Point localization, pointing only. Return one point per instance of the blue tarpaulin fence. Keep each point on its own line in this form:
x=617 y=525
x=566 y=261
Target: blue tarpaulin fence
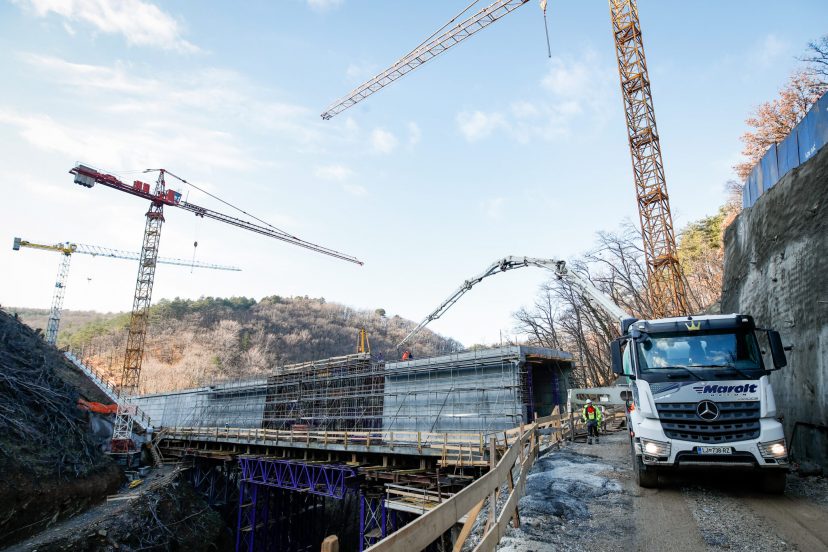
x=801 y=144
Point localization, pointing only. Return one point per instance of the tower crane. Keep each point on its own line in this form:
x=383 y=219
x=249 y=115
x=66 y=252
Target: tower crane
x=666 y=283
x=67 y=249
x=160 y=197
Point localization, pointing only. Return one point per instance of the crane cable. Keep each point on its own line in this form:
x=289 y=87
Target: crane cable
x=546 y=28
x=239 y=209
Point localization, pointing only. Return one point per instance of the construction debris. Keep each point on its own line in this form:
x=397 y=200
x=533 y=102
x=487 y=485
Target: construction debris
x=50 y=466
x=41 y=427
x=166 y=514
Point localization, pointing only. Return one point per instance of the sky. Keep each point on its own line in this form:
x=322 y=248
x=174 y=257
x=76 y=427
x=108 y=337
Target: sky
x=492 y=149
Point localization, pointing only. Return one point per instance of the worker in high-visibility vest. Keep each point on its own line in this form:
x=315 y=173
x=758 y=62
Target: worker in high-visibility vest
x=592 y=416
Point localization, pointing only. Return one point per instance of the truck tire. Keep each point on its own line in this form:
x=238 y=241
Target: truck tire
x=773 y=481
x=646 y=477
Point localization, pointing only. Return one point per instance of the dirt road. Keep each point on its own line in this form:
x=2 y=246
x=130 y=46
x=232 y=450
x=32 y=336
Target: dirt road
x=583 y=498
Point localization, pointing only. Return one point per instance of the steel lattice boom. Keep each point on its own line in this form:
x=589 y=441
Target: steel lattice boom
x=425 y=52
x=69 y=248
x=666 y=281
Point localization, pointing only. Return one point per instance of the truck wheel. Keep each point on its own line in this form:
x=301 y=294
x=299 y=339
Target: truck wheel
x=773 y=481
x=645 y=476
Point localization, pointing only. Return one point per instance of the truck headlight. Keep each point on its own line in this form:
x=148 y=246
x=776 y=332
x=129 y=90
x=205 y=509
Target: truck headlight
x=655 y=448
x=773 y=449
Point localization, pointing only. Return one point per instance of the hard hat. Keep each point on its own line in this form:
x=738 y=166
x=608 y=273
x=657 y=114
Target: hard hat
x=589 y=401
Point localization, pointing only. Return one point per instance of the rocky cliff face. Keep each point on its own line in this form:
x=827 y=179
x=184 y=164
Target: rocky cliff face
x=776 y=269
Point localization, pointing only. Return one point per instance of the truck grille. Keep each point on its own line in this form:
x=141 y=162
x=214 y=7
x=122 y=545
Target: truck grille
x=737 y=421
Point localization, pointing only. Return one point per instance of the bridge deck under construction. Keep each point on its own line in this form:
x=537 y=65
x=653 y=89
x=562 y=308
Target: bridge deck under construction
x=443 y=408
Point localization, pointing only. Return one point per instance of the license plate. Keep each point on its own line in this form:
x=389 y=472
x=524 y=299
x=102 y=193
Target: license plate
x=714 y=450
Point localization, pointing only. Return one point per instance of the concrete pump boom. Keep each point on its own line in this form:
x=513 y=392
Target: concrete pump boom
x=509 y=263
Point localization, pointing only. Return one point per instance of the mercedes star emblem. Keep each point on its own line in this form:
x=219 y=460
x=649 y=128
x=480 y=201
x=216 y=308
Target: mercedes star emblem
x=707 y=411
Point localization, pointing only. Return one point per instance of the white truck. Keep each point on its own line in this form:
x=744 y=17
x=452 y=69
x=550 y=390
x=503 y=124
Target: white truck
x=701 y=397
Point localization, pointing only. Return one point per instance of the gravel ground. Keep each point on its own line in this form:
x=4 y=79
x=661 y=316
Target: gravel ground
x=814 y=489
x=576 y=500
x=722 y=520
x=583 y=499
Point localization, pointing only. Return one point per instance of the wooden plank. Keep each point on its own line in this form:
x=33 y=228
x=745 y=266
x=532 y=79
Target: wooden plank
x=420 y=533
x=467 y=527
x=490 y=539
x=330 y=544
x=493 y=496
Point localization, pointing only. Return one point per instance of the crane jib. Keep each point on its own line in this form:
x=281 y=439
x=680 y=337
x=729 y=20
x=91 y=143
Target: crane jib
x=88 y=177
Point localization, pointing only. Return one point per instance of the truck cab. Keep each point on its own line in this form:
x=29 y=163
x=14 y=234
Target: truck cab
x=701 y=397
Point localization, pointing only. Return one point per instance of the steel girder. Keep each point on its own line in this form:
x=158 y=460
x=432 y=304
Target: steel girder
x=320 y=479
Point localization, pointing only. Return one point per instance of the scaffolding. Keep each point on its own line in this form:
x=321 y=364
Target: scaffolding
x=481 y=391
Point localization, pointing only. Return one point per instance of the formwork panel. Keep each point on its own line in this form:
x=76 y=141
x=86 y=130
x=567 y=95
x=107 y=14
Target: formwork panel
x=480 y=391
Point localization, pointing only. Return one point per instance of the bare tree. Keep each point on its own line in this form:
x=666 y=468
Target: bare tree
x=563 y=319
x=817 y=59
x=774 y=120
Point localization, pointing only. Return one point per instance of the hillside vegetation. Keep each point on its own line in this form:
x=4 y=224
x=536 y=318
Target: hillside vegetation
x=193 y=342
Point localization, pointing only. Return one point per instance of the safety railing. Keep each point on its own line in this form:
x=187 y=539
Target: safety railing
x=100 y=380
x=97 y=377
x=453 y=448
x=524 y=445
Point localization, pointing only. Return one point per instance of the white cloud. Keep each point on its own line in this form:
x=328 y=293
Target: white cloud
x=585 y=83
x=493 y=208
x=206 y=95
x=766 y=52
x=383 y=141
x=141 y=23
x=333 y=172
x=197 y=121
x=572 y=89
x=478 y=125
x=568 y=78
x=358 y=72
x=340 y=173
x=147 y=144
x=324 y=5
x=355 y=189
x=414 y=134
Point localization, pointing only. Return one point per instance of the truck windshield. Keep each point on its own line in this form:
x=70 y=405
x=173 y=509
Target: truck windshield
x=734 y=350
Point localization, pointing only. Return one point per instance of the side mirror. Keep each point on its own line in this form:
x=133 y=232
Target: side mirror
x=615 y=353
x=777 y=350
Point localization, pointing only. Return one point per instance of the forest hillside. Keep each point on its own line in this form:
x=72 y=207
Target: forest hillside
x=194 y=342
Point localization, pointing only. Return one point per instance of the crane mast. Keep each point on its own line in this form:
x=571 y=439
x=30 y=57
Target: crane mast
x=134 y=355
x=666 y=284
x=57 y=300
x=668 y=295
